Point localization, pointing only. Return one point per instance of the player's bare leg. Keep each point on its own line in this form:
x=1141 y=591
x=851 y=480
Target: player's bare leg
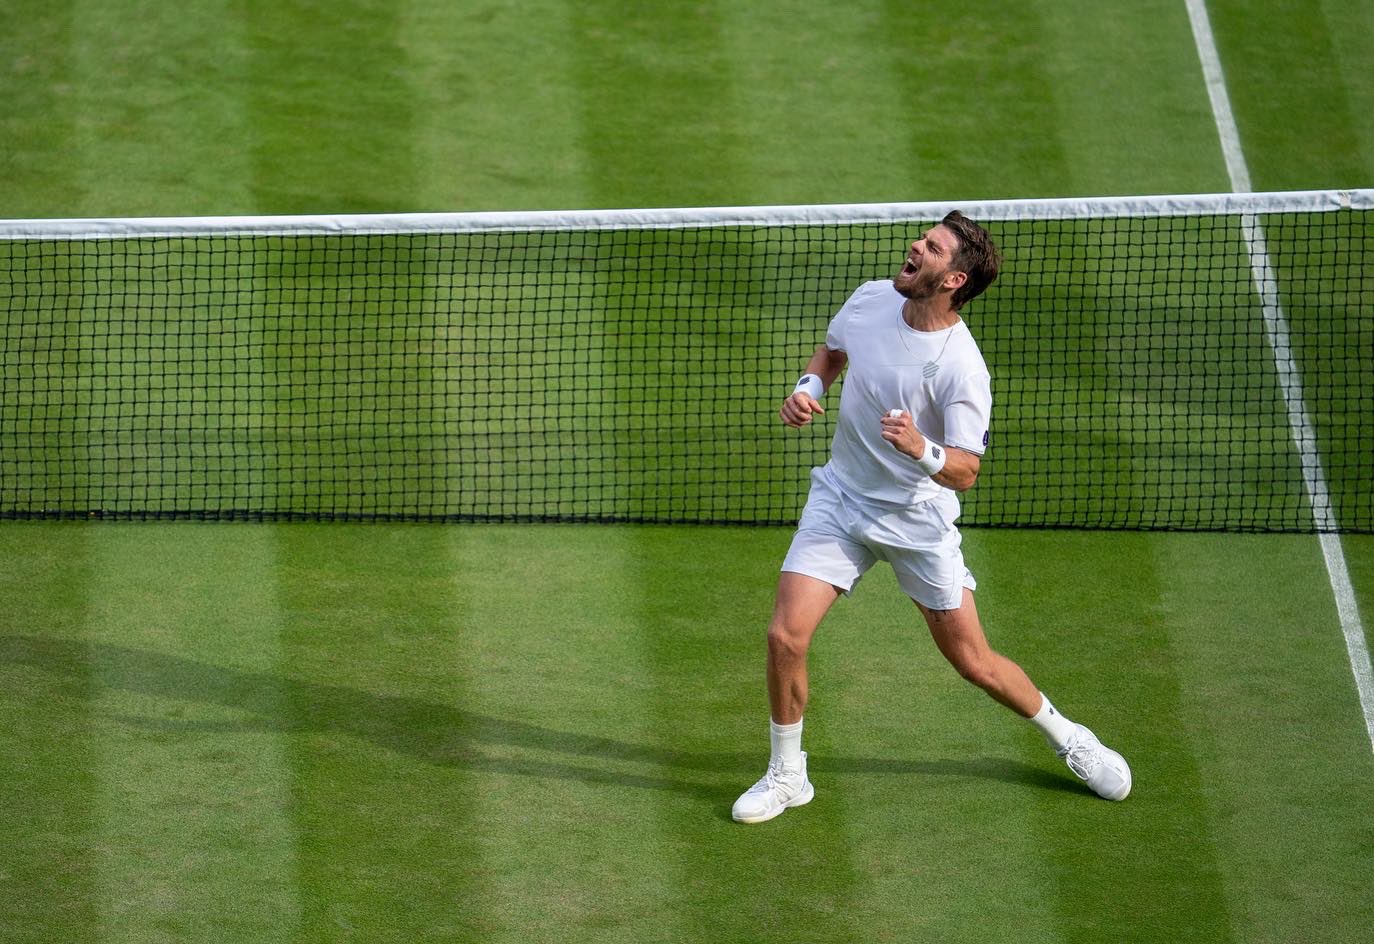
x=801 y=604
x=959 y=636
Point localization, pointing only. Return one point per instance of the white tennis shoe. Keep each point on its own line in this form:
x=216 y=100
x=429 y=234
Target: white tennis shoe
x=1100 y=767
x=781 y=788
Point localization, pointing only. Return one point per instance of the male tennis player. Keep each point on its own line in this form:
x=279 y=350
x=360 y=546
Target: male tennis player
x=912 y=429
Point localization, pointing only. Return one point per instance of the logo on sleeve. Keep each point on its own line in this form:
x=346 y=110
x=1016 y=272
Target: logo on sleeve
x=985 y=439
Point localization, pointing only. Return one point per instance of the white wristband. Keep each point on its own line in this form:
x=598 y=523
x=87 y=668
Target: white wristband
x=934 y=458
x=810 y=385
x=933 y=461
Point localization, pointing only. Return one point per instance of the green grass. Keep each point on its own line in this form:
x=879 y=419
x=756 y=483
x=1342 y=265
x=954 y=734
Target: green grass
x=263 y=108
x=331 y=733
x=321 y=732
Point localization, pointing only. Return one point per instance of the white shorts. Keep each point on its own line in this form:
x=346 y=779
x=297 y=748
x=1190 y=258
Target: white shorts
x=839 y=538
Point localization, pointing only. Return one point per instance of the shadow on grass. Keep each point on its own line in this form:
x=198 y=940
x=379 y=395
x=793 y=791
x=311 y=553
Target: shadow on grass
x=439 y=734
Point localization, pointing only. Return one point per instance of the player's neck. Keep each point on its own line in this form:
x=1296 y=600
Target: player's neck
x=929 y=314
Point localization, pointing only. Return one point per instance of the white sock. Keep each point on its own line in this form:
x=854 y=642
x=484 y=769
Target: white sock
x=785 y=740
x=1057 y=729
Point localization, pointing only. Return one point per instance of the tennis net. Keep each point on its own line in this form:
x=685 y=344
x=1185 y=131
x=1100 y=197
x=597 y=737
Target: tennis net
x=1186 y=362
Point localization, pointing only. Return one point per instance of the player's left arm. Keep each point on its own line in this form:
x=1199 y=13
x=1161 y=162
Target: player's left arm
x=961 y=466
x=961 y=469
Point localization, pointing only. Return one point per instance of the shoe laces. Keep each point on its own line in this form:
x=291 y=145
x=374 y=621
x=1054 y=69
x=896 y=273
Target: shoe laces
x=774 y=777
x=1083 y=754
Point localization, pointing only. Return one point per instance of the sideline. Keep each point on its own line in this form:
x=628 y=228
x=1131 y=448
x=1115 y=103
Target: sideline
x=1290 y=381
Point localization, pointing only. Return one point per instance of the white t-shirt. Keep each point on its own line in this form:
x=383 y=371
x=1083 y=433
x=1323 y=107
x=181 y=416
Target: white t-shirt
x=939 y=377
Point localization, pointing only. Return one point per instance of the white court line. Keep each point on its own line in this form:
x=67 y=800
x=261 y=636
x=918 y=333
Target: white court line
x=1290 y=380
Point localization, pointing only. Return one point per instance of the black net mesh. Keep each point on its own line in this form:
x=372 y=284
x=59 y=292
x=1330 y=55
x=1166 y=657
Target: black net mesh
x=635 y=375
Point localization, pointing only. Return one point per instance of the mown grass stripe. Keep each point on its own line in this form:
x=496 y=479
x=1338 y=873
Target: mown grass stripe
x=373 y=681
x=570 y=774
x=1285 y=774
x=832 y=106
x=702 y=601
x=656 y=99
x=1008 y=53
x=521 y=154
x=925 y=768
x=1306 y=51
x=48 y=868
x=1097 y=639
x=39 y=123
x=156 y=103
x=329 y=106
x=1346 y=26
x=194 y=826
x=1095 y=60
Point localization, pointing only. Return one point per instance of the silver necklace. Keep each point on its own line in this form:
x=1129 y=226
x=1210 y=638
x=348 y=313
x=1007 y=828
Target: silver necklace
x=931 y=368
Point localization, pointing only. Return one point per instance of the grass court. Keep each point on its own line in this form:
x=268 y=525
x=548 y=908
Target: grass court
x=334 y=732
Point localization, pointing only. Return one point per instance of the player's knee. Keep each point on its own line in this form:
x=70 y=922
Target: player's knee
x=785 y=640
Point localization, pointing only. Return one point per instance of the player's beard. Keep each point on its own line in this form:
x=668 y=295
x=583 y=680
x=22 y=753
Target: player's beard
x=921 y=284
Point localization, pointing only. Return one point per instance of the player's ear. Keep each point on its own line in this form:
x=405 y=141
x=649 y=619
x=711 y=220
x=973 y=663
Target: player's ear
x=955 y=280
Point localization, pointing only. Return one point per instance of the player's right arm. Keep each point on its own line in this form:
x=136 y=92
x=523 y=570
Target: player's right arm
x=826 y=364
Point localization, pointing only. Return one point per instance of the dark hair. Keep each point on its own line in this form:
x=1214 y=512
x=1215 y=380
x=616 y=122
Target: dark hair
x=977 y=257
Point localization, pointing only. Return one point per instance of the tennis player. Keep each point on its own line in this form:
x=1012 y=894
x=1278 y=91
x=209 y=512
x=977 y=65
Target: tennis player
x=912 y=428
